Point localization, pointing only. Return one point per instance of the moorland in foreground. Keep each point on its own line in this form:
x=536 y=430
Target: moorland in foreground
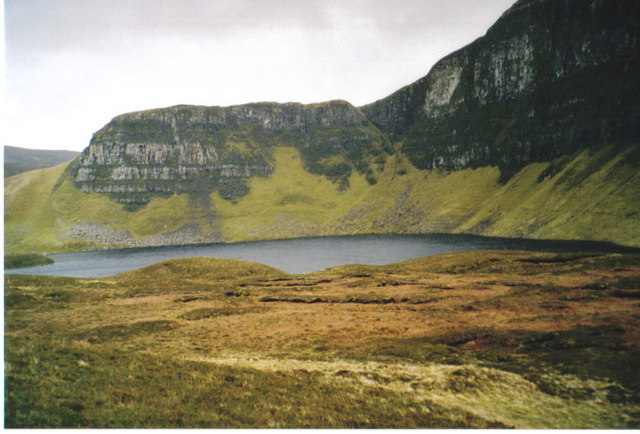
x=474 y=339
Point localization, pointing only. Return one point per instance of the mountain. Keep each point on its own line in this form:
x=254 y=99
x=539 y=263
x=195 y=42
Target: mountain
x=529 y=131
x=191 y=149
x=551 y=77
x=18 y=160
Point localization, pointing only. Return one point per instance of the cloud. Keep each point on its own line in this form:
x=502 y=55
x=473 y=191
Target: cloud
x=74 y=64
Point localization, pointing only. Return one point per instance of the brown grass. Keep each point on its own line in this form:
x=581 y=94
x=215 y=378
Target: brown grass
x=545 y=330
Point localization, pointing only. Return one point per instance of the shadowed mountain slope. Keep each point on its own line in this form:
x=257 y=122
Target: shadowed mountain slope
x=18 y=160
x=549 y=78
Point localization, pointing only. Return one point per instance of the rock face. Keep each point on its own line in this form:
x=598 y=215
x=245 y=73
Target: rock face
x=192 y=149
x=553 y=81
x=550 y=77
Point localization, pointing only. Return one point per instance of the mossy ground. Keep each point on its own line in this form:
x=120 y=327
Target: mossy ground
x=467 y=340
x=26 y=260
x=592 y=195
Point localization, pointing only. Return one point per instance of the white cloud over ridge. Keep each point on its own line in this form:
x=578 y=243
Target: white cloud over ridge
x=74 y=64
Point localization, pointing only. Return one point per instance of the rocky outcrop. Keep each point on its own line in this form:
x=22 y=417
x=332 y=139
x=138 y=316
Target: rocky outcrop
x=132 y=172
x=550 y=77
x=191 y=149
x=552 y=81
x=99 y=235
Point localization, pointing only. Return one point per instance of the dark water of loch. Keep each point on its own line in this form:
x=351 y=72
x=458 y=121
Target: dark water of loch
x=303 y=255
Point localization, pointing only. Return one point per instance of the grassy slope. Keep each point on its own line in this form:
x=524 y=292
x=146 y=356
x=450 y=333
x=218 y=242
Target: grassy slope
x=39 y=205
x=26 y=260
x=473 y=339
x=595 y=196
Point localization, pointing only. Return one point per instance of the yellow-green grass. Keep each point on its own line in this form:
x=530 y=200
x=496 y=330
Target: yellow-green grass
x=40 y=205
x=508 y=339
x=594 y=196
x=578 y=203
x=290 y=202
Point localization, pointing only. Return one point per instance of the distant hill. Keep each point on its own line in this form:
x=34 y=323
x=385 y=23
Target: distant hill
x=18 y=160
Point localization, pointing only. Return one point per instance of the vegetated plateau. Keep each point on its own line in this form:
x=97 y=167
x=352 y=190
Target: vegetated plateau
x=467 y=340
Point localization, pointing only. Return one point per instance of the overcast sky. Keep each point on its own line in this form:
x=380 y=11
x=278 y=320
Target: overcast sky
x=72 y=65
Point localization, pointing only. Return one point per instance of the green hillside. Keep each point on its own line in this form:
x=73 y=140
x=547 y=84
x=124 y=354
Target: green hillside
x=529 y=131
x=590 y=195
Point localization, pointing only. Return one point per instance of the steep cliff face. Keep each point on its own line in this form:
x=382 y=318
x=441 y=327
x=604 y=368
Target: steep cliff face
x=537 y=125
x=550 y=77
x=196 y=149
